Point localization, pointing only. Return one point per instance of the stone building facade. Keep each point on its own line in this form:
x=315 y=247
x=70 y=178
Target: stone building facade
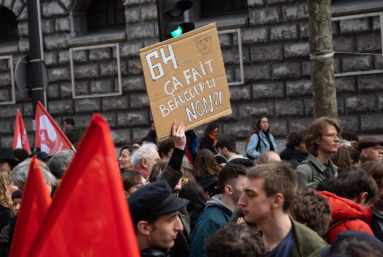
x=275 y=45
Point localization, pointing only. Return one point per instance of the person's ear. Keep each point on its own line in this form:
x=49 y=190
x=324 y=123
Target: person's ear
x=296 y=147
x=364 y=152
x=277 y=201
x=144 y=163
x=143 y=227
x=362 y=198
x=228 y=190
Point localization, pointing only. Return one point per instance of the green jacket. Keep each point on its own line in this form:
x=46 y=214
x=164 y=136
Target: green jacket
x=307 y=243
x=181 y=244
x=74 y=134
x=312 y=170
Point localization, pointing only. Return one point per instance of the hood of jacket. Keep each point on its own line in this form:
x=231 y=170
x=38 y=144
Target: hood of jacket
x=216 y=201
x=290 y=154
x=343 y=208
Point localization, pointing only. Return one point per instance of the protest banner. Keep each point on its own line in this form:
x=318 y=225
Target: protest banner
x=186 y=80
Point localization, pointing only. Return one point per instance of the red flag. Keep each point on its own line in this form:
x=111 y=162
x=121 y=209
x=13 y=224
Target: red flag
x=89 y=215
x=35 y=203
x=49 y=137
x=20 y=139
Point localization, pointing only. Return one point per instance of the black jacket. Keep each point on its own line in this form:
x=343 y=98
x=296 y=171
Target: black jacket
x=155 y=252
x=151 y=137
x=207 y=143
x=293 y=156
x=5 y=216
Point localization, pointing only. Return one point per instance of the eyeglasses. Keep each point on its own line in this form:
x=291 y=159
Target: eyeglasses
x=333 y=136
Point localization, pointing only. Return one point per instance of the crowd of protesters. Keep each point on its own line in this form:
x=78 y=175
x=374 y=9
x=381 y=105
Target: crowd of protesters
x=320 y=196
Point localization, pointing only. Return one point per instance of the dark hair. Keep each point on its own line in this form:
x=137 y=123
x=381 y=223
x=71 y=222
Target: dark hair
x=21 y=154
x=315 y=132
x=355 y=248
x=326 y=185
x=196 y=196
x=130 y=148
x=131 y=178
x=280 y=179
x=205 y=165
x=157 y=169
x=236 y=240
x=312 y=209
x=165 y=146
x=375 y=169
x=354 y=153
x=227 y=142
x=257 y=128
x=350 y=135
x=295 y=137
x=354 y=181
x=229 y=175
x=209 y=129
x=341 y=159
x=69 y=121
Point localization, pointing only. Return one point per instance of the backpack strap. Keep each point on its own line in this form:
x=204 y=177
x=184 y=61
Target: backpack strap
x=258 y=147
x=335 y=224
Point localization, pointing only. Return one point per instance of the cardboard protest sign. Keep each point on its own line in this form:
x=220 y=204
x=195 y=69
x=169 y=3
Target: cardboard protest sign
x=186 y=80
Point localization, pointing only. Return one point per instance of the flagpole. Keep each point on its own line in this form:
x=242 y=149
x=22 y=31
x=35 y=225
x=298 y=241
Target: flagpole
x=74 y=149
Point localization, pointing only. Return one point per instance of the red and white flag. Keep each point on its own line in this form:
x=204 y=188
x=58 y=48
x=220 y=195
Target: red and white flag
x=48 y=136
x=20 y=139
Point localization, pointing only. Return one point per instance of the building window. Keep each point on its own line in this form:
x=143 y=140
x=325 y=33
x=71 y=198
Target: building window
x=104 y=14
x=8 y=25
x=209 y=7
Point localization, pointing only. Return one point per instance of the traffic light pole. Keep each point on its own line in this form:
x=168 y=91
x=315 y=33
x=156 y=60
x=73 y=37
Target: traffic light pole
x=35 y=54
x=160 y=18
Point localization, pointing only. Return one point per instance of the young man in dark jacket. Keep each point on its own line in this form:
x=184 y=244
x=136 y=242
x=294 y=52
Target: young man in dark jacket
x=219 y=210
x=295 y=151
x=269 y=191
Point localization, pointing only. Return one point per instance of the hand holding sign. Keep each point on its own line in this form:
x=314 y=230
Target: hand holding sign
x=186 y=80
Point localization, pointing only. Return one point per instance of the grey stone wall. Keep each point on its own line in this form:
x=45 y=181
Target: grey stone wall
x=276 y=69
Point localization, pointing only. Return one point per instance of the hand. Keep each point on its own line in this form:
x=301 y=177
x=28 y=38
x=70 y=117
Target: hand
x=179 y=136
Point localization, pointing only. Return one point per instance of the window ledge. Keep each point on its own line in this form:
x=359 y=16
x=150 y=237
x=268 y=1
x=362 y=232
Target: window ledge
x=97 y=38
x=225 y=21
x=356 y=7
x=10 y=47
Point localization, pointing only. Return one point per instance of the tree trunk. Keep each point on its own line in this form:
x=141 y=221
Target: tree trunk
x=322 y=64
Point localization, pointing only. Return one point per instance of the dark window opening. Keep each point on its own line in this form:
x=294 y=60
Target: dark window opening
x=103 y=14
x=209 y=7
x=8 y=25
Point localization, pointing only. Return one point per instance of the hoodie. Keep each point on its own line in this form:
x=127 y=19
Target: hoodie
x=343 y=209
x=209 y=185
x=292 y=156
x=215 y=215
x=377 y=223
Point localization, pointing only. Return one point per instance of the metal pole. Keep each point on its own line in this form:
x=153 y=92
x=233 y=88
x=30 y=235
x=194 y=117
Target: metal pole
x=35 y=54
x=160 y=17
x=322 y=59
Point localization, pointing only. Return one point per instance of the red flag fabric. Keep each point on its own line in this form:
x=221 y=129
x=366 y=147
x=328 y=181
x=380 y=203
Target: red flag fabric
x=35 y=203
x=48 y=136
x=89 y=215
x=20 y=139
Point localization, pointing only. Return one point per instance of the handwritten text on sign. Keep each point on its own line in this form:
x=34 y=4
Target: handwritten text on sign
x=185 y=78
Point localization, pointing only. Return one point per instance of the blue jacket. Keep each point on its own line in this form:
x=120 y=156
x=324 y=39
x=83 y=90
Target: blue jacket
x=215 y=215
x=264 y=145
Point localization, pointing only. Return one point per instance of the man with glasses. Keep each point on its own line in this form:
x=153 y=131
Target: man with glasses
x=321 y=140
x=370 y=148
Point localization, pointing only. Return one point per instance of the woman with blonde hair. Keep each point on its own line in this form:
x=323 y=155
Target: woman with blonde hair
x=260 y=139
x=5 y=200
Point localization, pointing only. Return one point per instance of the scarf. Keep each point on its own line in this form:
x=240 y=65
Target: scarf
x=214 y=138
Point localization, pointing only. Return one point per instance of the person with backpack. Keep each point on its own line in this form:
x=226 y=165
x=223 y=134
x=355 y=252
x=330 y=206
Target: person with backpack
x=260 y=139
x=321 y=140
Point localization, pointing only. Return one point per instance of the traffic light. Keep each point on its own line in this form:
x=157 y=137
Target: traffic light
x=171 y=21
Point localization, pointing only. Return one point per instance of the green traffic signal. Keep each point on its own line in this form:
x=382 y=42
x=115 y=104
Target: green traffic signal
x=177 y=32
